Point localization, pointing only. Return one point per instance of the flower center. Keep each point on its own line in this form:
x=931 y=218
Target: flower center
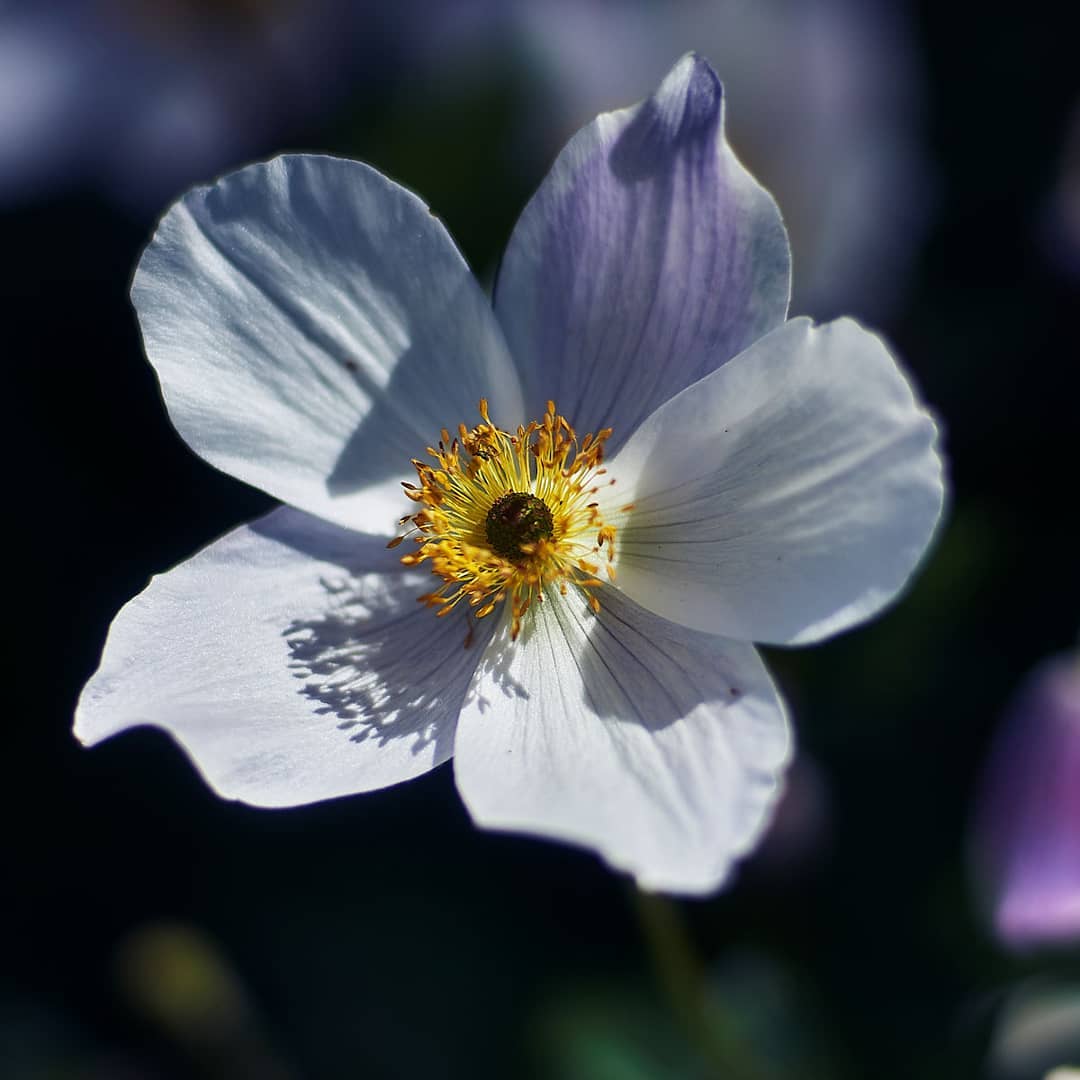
x=515 y=519
x=504 y=515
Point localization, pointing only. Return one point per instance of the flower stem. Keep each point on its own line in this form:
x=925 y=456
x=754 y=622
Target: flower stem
x=680 y=972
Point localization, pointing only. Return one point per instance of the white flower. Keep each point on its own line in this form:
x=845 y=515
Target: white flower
x=315 y=330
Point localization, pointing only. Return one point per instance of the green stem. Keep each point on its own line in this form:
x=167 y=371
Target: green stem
x=681 y=975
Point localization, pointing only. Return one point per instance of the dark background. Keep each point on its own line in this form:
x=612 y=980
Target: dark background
x=383 y=935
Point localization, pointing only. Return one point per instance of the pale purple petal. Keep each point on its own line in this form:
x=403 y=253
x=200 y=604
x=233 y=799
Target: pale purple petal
x=291 y=660
x=1027 y=843
x=647 y=258
x=824 y=110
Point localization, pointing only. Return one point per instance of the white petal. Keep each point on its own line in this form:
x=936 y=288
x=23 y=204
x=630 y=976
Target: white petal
x=291 y=661
x=785 y=497
x=314 y=328
x=655 y=745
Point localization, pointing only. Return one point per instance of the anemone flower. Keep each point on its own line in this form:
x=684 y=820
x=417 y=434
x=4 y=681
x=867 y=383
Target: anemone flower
x=622 y=474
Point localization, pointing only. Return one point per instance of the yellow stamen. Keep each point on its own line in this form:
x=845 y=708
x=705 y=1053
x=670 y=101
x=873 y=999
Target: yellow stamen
x=487 y=547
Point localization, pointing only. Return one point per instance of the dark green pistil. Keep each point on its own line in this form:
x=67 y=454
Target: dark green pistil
x=515 y=519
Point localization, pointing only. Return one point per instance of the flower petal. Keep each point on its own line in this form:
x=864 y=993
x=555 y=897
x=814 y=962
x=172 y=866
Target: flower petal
x=658 y=746
x=785 y=497
x=314 y=328
x=648 y=257
x=291 y=661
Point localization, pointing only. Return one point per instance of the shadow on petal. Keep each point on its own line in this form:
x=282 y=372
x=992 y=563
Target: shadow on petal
x=660 y=126
x=383 y=666
x=495 y=667
x=636 y=660
x=454 y=356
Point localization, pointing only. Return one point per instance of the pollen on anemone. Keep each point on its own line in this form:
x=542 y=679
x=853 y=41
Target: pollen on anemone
x=601 y=490
x=508 y=514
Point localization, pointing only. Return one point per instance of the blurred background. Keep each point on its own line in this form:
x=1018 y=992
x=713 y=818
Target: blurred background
x=927 y=159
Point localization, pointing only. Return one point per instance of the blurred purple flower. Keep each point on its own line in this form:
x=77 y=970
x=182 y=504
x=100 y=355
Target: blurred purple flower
x=1027 y=839
x=141 y=100
x=800 y=827
x=826 y=100
x=1061 y=221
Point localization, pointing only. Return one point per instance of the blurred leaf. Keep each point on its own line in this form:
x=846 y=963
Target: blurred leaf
x=611 y=1033
x=451 y=140
x=178 y=980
